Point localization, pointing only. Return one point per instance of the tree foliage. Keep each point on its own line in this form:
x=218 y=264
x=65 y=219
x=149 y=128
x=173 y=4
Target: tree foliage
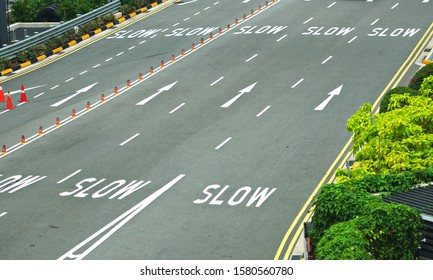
x=398 y=90
x=418 y=78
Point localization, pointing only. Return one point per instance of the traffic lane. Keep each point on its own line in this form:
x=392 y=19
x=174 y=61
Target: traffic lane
x=87 y=76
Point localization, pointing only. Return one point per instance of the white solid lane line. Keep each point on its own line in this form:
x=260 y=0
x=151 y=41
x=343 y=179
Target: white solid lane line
x=214 y=83
x=223 y=143
x=69 y=176
x=177 y=108
x=297 y=83
x=2 y=214
x=326 y=60
x=263 y=111
x=117 y=223
x=129 y=139
x=251 y=58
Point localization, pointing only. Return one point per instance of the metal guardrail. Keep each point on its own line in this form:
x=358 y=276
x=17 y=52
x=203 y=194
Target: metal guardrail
x=11 y=50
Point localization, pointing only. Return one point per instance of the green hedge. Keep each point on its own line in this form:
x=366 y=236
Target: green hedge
x=418 y=78
x=353 y=199
x=398 y=90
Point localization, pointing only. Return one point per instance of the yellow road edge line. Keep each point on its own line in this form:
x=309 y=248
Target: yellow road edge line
x=309 y=214
x=405 y=64
x=85 y=44
x=289 y=231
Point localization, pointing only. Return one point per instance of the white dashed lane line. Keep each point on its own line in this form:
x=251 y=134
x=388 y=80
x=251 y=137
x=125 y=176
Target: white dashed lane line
x=196 y=14
x=40 y=94
x=326 y=60
x=297 y=83
x=120 y=53
x=263 y=111
x=3 y=214
x=129 y=139
x=108 y=59
x=374 y=22
x=177 y=108
x=96 y=66
x=84 y=72
x=284 y=36
x=131 y=48
x=395 y=6
x=68 y=80
x=332 y=5
x=176 y=24
x=54 y=87
x=69 y=176
x=353 y=39
x=214 y=83
x=223 y=143
x=251 y=58
x=308 y=20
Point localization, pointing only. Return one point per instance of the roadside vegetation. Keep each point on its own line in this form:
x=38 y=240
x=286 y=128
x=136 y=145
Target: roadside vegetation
x=394 y=153
x=28 y=11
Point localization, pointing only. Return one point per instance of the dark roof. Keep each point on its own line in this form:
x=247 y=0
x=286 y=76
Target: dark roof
x=420 y=198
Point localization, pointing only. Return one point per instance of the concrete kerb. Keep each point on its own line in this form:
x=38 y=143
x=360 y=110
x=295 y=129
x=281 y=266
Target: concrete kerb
x=427 y=55
x=87 y=38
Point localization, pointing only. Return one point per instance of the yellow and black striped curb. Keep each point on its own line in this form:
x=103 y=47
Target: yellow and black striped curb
x=82 y=38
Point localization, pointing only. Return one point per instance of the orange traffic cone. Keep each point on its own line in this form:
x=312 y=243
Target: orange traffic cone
x=236 y=21
x=192 y=46
x=128 y=83
x=260 y=8
x=23 y=95
x=23 y=139
x=4 y=151
x=140 y=76
x=88 y=107
x=220 y=31
x=228 y=26
x=245 y=16
x=116 y=90
x=9 y=104
x=74 y=114
x=102 y=97
x=162 y=64
x=173 y=58
x=41 y=131
x=267 y=4
x=252 y=12
x=2 y=94
x=151 y=71
x=183 y=52
x=210 y=36
x=58 y=122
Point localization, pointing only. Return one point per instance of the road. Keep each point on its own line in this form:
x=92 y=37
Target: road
x=213 y=155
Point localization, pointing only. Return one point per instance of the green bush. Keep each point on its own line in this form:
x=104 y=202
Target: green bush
x=5 y=63
x=398 y=90
x=418 y=78
x=386 y=232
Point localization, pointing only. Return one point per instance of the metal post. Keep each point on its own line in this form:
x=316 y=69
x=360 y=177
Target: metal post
x=4 y=38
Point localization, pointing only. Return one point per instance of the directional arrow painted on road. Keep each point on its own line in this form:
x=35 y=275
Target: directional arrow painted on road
x=166 y=88
x=331 y=95
x=241 y=92
x=86 y=89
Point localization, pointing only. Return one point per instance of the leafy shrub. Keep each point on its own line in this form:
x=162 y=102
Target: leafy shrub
x=418 y=78
x=398 y=90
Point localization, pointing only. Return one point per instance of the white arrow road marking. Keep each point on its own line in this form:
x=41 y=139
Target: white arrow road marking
x=166 y=88
x=86 y=89
x=241 y=92
x=186 y=3
x=30 y=88
x=117 y=223
x=331 y=95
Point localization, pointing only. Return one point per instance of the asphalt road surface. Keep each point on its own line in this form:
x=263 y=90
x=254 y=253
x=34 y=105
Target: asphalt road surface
x=214 y=155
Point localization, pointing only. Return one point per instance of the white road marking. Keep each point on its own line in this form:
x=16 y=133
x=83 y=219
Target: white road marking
x=131 y=48
x=332 y=5
x=297 y=83
x=108 y=59
x=96 y=66
x=395 y=6
x=117 y=223
x=353 y=39
x=129 y=139
x=326 y=60
x=21 y=103
x=73 y=95
x=166 y=88
x=142 y=42
x=374 y=22
x=216 y=3
x=40 y=94
x=214 y=83
x=68 y=80
x=27 y=89
x=196 y=14
x=177 y=108
x=251 y=58
x=69 y=176
x=54 y=87
x=333 y=93
x=223 y=143
x=188 y=18
x=84 y=72
x=5 y=111
x=284 y=36
x=241 y=92
x=245 y=1
x=186 y=3
x=425 y=1
x=263 y=111
x=2 y=214
x=308 y=20
x=153 y=36
x=120 y=53
x=165 y=30
x=176 y=24
x=207 y=8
